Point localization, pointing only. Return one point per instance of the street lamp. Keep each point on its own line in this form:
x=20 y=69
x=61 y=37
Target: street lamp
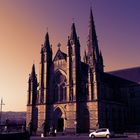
x=1 y=104
x=75 y=122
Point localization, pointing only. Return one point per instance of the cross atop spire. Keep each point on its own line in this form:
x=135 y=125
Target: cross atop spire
x=47 y=29
x=59 y=45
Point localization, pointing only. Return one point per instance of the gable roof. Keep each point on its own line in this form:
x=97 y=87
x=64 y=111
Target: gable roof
x=60 y=55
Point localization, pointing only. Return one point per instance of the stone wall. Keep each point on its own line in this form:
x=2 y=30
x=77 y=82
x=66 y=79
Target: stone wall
x=41 y=117
x=28 y=115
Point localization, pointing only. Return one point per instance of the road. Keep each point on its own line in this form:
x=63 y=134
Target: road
x=81 y=138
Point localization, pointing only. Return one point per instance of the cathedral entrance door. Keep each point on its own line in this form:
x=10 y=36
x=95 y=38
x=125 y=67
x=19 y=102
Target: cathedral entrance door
x=58 y=120
x=60 y=124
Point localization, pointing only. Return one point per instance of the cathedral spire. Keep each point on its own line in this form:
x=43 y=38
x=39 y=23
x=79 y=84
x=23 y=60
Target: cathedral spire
x=32 y=88
x=47 y=42
x=101 y=63
x=68 y=42
x=101 y=57
x=92 y=38
x=73 y=35
x=46 y=61
x=46 y=50
x=33 y=74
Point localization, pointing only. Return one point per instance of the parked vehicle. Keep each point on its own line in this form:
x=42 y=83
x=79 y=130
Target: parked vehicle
x=102 y=132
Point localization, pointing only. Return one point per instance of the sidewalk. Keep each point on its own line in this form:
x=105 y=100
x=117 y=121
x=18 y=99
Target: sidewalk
x=71 y=137
x=133 y=135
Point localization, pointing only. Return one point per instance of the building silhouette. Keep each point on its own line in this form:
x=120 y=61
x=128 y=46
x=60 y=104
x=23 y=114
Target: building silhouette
x=72 y=95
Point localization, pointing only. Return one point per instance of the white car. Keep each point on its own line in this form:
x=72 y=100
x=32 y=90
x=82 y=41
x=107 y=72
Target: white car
x=103 y=132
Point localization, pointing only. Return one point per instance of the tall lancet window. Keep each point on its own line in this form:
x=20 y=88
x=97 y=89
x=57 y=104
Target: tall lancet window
x=59 y=87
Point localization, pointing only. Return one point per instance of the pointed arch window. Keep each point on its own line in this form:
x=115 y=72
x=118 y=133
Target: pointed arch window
x=60 y=87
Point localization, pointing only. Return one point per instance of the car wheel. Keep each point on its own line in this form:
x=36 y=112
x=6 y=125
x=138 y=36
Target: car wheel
x=92 y=136
x=107 y=136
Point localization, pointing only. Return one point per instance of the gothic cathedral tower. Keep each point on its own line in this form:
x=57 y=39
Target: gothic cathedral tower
x=73 y=65
x=32 y=113
x=95 y=67
x=46 y=61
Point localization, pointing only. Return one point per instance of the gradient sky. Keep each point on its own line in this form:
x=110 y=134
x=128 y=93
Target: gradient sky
x=23 y=24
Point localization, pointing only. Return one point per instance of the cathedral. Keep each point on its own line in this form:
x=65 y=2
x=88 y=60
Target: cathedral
x=74 y=95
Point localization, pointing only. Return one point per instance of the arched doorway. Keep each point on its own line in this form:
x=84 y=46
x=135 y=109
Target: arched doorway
x=58 y=120
x=60 y=124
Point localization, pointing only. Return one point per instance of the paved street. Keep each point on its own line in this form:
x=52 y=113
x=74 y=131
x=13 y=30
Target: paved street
x=80 y=138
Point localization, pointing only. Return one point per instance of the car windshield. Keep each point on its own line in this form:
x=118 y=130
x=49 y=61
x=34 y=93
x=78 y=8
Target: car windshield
x=101 y=130
x=104 y=129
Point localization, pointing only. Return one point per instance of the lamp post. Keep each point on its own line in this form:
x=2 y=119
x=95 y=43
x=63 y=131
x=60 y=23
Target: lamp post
x=75 y=122
x=1 y=104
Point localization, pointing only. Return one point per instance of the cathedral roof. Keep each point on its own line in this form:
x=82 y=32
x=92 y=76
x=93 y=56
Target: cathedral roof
x=132 y=74
x=60 y=55
x=114 y=80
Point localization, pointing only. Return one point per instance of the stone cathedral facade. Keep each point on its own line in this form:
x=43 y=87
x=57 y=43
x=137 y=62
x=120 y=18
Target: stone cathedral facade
x=72 y=95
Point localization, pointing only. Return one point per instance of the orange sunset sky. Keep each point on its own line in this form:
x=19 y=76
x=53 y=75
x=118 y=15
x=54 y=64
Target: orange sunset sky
x=23 y=24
